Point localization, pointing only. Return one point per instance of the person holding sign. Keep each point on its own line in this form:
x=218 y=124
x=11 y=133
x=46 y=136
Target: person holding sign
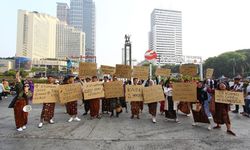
x=170 y=108
x=86 y=102
x=48 y=109
x=105 y=102
x=94 y=104
x=152 y=107
x=114 y=104
x=236 y=88
x=221 y=115
x=71 y=107
x=135 y=105
x=19 y=102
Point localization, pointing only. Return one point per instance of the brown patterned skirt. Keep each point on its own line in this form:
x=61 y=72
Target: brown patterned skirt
x=221 y=113
x=21 y=117
x=200 y=116
x=71 y=108
x=48 y=111
x=152 y=107
x=94 y=107
x=135 y=108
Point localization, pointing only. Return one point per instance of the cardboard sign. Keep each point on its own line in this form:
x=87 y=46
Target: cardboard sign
x=134 y=93
x=229 y=97
x=185 y=92
x=45 y=93
x=209 y=73
x=123 y=71
x=70 y=92
x=87 y=69
x=107 y=69
x=93 y=90
x=113 y=89
x=153 y=94
x=188 y=69
x=140 y=72
x=163 y=72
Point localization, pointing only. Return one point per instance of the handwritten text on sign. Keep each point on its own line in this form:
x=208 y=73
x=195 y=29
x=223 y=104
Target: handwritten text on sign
x=45 y=93
x=163 y=72
x=113 y=89
x=153 y=94
x=134 y=93
x=70 y=92
x=123 y=71
x=107 y=69
x=87 y=69
x=140 y=72
x=229 y=97
x=185 y=92
x=93 y=90
x=188 y=69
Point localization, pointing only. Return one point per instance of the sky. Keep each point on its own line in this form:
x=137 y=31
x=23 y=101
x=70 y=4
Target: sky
x=210 y=27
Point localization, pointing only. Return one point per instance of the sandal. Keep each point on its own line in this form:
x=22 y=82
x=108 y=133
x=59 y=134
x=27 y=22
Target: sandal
x=231 y=132
x=216 y=127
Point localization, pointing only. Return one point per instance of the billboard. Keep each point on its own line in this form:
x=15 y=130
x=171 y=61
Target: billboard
x=23 y=62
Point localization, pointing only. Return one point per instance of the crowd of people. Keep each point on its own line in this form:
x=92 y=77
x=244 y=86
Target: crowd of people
x=205 y=110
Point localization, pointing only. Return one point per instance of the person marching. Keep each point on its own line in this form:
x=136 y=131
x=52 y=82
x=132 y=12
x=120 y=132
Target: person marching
x=115 y=104
x=86 y=102
x=135 y=106
x=94 y=104
x=221 y=115
x=170 y=109
x=71 y=107
x=152 y=107
x=105 y=102
x=48 y=109
x=18 y=103
x=236 y=88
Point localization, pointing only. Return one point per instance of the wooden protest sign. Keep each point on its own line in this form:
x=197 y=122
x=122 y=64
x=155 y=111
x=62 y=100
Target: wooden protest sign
x=153 y=94
x=229 y=97
x=70 y=92
x=134 y=93
x=140 y=72
x=93 y=90
x=185 y=92
x=209 y=73
x=163 y=72
x=123 y=71
x=188 y=69
x=113 y=89
x=45 y=93
x=107 y=69
x=87 y=69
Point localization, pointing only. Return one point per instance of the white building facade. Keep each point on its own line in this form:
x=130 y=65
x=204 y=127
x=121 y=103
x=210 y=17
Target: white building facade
x=165 y=36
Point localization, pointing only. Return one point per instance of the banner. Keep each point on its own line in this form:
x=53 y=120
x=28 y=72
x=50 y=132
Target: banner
x=185 y=92
x=229 y=97
x=70 y=92
x=107 y=69
x=123 y=71
x=153 y=94
x=93 y=90
x=188 y=69
x=113 y=89
x=134 y=93
x=45 y=93
x=163 y=72
x=87 y=69
x=140 y=72
x=209 y=73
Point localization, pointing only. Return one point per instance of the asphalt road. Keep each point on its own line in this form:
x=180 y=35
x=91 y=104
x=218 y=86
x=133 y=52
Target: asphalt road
x=118 y=133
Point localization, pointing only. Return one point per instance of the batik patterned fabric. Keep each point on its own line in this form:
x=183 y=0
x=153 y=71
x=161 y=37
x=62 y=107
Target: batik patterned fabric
x=21 y=117
x=221 y=113
x=94 y=107
x=135 y=108
x=152 y=107
x=48 y=111
x=71 y=108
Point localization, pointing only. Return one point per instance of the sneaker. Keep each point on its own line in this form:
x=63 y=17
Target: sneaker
x=188 y=115
x=209 y=127
x=51 y=121
x=5 y=97
x=70 y=119
x=194 y=124
x=19 y=129
x=24 y=127
x=84 y=114
x=154 y=120
x=177 y=121
x=77 y=119
x=40 y=125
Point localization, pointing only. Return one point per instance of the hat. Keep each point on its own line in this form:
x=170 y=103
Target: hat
x=238 y=77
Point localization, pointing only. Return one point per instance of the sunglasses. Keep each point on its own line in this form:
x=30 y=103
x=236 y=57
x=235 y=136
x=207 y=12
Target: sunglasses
x=26 y=86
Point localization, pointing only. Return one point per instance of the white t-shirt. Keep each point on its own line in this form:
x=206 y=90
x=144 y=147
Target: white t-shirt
x=1 y=88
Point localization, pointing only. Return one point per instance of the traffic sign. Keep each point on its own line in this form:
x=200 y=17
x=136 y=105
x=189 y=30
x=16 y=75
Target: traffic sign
x=150 y=55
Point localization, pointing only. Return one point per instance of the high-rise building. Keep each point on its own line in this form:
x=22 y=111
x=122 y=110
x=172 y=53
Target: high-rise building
x=63 y=12
x=36 y=35
x=70 y=42
x=165 y=36
x=82 y=17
